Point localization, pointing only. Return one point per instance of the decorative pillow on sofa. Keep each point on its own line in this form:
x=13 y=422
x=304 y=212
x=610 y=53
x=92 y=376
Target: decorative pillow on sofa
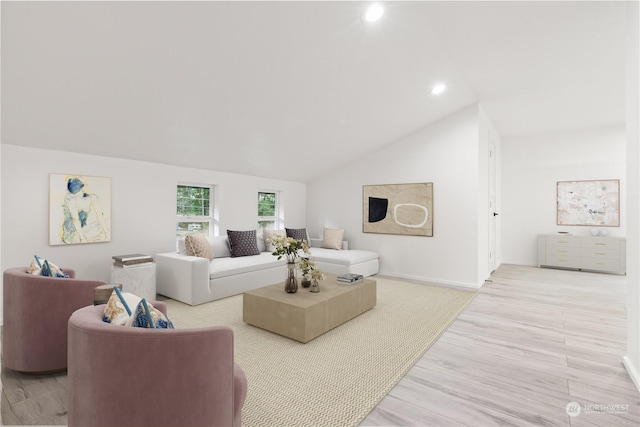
x=297 y=233
x=41 y=267
x=198 y=245
x=117 y=310
x=243 y=243
x=268 y=235
x=332 y=238
x=220 y=246
x=147 y=316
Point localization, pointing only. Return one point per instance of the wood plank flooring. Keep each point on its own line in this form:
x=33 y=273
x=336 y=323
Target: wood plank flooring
x=532 y=341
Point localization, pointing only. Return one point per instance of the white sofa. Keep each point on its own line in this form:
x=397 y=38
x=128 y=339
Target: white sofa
x=194 y=280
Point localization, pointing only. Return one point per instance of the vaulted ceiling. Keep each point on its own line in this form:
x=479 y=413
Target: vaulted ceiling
x=289 y=89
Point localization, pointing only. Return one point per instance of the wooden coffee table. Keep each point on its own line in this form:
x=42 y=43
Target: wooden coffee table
x=303 y=315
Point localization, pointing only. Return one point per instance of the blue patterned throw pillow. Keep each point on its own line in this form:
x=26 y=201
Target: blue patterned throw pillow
x=147 y=316
x=118 y=308
x=42 y=267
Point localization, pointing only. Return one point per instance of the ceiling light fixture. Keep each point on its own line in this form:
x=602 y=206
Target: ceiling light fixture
x=438 y=89
x=373 y=13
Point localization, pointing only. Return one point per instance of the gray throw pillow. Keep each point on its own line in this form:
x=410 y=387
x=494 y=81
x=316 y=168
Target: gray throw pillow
x=243 y=243
x=297 y=233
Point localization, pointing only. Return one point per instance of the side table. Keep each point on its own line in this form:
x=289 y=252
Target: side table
x=138 y=280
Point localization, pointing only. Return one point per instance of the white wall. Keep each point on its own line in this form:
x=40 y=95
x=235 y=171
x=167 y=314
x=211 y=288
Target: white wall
x=632 y=358
x=447 y=154
x=143 y=206
x=532 y=165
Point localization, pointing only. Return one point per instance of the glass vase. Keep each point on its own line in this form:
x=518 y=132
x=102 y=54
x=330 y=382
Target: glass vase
x=305 y=283
x=315 y=286
x=290 y=281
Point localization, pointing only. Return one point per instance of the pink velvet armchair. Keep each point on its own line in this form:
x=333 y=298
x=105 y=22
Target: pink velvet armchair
x=125 y=376
x=36 y=310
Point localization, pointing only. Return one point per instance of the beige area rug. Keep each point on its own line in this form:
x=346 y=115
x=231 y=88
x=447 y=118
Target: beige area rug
x=336 y=379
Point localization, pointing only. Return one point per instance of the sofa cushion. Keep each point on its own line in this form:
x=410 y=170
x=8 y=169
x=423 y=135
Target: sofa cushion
x=297 y=233
x=268 y=235
x=198 y=245
x=349 y=257
x=223 y=267
x=243 y=243
x=332 y=238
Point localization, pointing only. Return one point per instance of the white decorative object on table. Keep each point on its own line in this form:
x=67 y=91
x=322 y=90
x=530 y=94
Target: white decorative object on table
x=140 y=280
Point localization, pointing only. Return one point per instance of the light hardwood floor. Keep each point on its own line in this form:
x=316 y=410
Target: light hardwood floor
x=532 y=341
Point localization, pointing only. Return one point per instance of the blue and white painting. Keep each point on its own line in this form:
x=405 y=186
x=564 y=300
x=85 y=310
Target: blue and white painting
x=79 y=209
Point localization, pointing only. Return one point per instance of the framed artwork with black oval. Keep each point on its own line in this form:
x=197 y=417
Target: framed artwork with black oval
x=398 y=209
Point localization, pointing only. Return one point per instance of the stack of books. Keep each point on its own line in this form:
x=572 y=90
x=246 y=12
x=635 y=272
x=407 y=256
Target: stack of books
x=350 y=279
x=131 y=260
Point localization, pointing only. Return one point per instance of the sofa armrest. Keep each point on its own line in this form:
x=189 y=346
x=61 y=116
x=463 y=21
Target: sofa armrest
x=182 y=277
x=316 y=243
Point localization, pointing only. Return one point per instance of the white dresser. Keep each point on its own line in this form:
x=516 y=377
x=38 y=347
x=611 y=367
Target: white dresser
x=605 y=254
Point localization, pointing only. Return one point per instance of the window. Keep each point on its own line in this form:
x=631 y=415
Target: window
x=194 y=210
x=267 y=210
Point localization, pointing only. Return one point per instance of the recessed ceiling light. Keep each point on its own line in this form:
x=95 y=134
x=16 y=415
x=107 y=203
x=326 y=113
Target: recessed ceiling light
x=438 y=89
x=373 y=13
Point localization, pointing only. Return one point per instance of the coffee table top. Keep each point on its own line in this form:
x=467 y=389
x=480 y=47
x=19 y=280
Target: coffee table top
x=329 y=289
x=305 y=315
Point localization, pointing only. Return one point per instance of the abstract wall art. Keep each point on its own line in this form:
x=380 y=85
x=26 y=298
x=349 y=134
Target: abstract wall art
x=595 y=203
x=79 y=209
x=405 y=209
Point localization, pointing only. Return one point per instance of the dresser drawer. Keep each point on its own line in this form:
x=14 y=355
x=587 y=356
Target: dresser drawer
x=563 y=250
x=601 y=264
x=563 y=241
x=563 y=261
x=601 y=243
x=598 y=253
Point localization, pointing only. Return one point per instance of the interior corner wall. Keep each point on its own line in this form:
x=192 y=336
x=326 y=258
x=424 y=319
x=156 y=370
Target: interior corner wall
x=143 y=206
x=446 y=154
x=531 y=167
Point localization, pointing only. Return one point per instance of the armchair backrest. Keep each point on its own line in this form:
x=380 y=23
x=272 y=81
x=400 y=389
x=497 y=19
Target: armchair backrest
x=128 y=376
x=35 y=314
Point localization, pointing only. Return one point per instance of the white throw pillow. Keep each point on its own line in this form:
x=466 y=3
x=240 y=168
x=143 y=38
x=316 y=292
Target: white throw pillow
x=220 y=246
x=332 y=238
x=268 y=234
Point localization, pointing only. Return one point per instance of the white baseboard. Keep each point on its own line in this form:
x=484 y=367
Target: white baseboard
x=632 y=370
x=429 y=281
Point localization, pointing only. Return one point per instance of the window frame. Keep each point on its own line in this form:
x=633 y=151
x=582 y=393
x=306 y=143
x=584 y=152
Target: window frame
x=276 y=219
x=210 y=219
